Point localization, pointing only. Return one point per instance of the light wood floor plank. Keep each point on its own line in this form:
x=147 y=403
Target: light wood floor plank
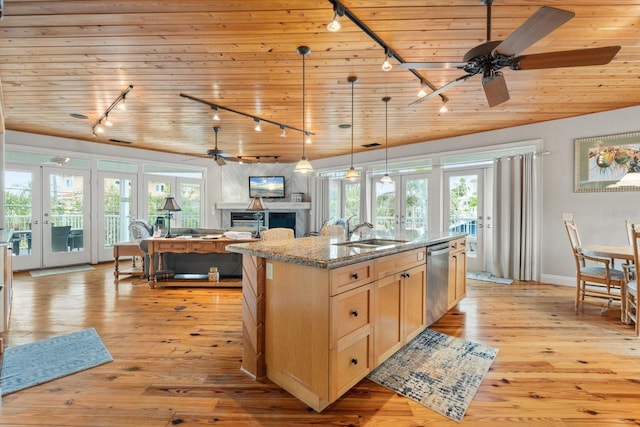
x=177 y=356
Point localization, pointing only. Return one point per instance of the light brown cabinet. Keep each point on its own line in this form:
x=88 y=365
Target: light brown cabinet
x=325 y=330
x=6 y=288
x=457 y=271
x=399 y=301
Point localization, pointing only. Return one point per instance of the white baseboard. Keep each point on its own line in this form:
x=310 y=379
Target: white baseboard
x=559 y=280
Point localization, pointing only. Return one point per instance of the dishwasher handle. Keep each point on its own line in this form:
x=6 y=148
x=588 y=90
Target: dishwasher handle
x=437 y=250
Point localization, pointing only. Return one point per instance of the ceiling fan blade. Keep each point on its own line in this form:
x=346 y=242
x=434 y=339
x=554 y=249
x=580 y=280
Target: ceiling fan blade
x=425 y=65
x=495 y=89
x=567 y=58
x=544 y=21
x=448 y=86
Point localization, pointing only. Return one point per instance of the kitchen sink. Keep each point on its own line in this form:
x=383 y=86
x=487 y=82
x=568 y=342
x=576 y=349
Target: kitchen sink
x=370 y=243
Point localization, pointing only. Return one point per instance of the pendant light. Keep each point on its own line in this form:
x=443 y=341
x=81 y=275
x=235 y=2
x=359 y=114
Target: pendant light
x=386 y=179
x=352 y=173
x=303 y=166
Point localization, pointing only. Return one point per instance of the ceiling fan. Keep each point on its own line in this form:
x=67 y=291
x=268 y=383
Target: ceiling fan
x=490 y=57
x=221 y=157
x=59 y=160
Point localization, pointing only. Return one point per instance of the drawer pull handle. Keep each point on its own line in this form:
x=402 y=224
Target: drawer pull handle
x=354 y=361
x=354 y=313
x=355 y=276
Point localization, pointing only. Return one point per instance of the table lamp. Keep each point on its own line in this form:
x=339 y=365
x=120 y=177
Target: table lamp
x=170 y=205
x=257 y=205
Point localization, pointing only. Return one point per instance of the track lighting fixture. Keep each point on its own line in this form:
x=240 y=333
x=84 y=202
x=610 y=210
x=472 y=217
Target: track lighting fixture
x=258 y=120
x=443 y=108
x=103 y=120
x=308 y=140
x=283 y=134
x=216 y=116
x=386 y=179
x=423 y=90
x=338 y=11
x=386 y=65
x=258 y=128
x=303 y=166
x=352 y=173
x=122 y=106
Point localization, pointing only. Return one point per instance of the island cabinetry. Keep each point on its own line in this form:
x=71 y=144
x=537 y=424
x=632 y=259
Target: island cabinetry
x=399 y=312
x=318 y=343
x=457 y=271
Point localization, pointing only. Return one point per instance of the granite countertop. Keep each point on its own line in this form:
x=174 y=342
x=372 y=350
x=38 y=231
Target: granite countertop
x=325 y=252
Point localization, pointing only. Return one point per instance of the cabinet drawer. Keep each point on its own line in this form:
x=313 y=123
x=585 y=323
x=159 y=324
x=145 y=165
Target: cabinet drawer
x=458 y=245
x=204 y=247
x=350 y=276
x=350 y=311
x=391 y=264
x=349 y=364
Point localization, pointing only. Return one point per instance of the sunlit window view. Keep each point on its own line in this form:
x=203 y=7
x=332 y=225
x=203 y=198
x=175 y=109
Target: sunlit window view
x=463 y=207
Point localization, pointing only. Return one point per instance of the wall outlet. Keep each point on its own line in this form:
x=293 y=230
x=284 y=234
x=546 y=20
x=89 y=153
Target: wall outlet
x=420 y=256
x=567 y=217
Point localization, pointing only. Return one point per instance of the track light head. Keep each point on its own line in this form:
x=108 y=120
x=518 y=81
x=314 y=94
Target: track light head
x=334 y=25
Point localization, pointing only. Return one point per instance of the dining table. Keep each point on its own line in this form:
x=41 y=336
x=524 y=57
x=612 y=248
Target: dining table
x=613 y=252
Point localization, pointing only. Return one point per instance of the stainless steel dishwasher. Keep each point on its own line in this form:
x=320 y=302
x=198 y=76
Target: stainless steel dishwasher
x=437 y=281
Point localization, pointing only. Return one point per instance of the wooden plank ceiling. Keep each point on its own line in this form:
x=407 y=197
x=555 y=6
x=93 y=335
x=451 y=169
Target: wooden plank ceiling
x=64 y=57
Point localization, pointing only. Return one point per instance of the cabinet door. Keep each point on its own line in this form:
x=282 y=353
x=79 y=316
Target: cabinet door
x=415 y=313
x=387 y=331
x=461 y=275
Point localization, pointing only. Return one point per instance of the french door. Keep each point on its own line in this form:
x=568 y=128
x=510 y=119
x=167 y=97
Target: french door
x=47 y=209
x=401 y=207
x=118 y=208
x=467 y=209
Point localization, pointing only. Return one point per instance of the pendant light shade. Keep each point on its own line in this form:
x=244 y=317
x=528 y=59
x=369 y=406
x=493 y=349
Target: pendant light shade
x=386 y=179
x=303 y=166
x=352 y=173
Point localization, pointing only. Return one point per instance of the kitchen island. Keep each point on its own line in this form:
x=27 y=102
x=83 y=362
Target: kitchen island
x=319 y=313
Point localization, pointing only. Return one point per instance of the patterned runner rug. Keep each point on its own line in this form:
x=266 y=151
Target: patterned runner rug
x=38 y=362
x=440 y=372
x=51 y=271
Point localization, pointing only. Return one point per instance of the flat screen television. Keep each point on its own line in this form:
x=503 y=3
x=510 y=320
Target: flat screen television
x=269 y=187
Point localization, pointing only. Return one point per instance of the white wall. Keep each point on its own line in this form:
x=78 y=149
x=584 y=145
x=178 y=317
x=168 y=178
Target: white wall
x=600 y=216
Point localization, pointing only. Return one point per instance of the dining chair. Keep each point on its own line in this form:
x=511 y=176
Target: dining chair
x=595 y=278
x=278 y=234
x=332 y=230
x=630 y=308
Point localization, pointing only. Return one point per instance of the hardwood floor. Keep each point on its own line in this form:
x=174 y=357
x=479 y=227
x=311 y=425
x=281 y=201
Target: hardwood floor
x=177 y=360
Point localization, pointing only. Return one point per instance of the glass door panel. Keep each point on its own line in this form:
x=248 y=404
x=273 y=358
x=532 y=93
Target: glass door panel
x=65 y=219
x=405 y=215
x=414 y=208
x=190 y=201
x=157 y=189
x=23 y=209
x=116 y=212
x=464 y=207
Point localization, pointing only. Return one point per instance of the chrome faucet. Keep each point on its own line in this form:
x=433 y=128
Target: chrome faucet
x=356 y=233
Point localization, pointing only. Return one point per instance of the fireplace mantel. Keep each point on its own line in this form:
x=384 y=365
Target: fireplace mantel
x=289 y=206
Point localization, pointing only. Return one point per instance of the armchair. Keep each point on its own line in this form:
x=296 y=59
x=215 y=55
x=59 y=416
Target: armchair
x=595 y=277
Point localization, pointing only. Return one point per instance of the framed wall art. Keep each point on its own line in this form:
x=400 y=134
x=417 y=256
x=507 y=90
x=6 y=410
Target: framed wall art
x=601 y=161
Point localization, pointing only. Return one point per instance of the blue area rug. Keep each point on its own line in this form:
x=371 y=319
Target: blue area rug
x=35 y=363
x=440 y=372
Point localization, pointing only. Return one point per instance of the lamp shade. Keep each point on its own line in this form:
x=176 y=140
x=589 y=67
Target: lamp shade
x=303 y=166
x=170 y=204
x=256 y=205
